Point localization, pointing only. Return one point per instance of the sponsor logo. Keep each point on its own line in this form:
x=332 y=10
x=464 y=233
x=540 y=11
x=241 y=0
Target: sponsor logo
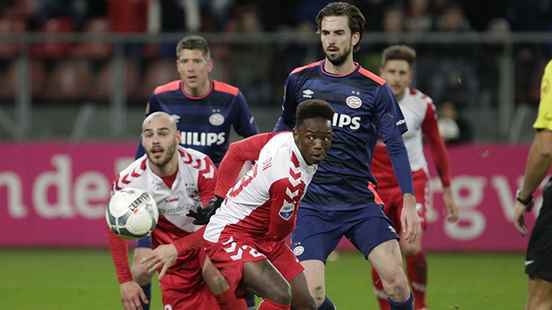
x=307 y=93
x=202 y=138
x=298 y=250
x=216 y=119
x=344 y=120
x=353 y=102
x=286 y=211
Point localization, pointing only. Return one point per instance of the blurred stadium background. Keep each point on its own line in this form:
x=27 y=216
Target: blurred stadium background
x=75 y=77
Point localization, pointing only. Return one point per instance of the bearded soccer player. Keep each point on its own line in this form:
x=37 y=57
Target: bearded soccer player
x=205 y=110
x=420 y=115
x=180 y=180
x=341 y=200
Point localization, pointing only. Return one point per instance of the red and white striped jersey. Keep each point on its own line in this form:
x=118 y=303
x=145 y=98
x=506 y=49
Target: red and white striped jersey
x=264 y=202
x=421 y=120
x=192 y=187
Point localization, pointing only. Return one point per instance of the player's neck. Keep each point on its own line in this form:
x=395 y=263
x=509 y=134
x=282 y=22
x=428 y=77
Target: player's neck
x=200 y=91
x=345 y=68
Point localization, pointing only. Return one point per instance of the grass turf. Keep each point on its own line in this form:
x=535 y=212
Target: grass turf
x=59 y=279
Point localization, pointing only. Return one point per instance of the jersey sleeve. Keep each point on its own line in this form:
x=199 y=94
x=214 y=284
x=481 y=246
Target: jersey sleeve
x=206 y=180
x=281 y=222
x=391 y=125
x=238 y=153
x=119 y=254
x=244 y=122
x=286 y=121
x=430 y=131
x=544 y=118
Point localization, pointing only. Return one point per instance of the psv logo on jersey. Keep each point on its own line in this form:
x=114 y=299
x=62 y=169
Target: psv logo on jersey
x=286 y=211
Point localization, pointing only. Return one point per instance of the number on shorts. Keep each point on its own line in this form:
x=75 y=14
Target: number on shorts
x=232 y=247
x=167 y=307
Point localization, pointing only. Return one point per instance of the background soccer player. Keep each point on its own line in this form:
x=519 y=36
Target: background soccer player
x=180 y=180
x=539 y=250
x=420 y=115
x=341 y=200
x=206 y=111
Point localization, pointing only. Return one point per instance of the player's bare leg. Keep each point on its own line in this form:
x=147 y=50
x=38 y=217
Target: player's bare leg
x=218 y=285
x=386 y=258
x=301 y=297
x=416 y=267
x=316 y=283
x=267 y=282
x=540 y=295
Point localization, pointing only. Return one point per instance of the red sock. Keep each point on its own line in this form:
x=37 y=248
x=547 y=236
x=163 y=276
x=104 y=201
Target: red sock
x=270 y=305
x=416 y=266
x=379 y=292
x=229 y=301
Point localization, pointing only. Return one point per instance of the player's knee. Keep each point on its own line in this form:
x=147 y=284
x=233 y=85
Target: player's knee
x=318 y=295
x=140 y=274
x=303 y=302
x=410 y=248
x=395 y=285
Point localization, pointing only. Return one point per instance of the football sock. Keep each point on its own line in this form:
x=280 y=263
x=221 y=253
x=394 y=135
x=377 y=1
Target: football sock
x=229 y=301
x=416 y=266
x=327 y=305
x=147 y=291
x=379 y=292
x=270 y=305
x=250 y=300
x=405 y=305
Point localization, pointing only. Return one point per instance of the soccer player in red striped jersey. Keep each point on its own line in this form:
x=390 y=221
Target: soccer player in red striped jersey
x=420 y=115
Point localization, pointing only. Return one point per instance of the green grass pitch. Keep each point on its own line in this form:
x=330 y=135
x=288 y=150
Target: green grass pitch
x=59 y=279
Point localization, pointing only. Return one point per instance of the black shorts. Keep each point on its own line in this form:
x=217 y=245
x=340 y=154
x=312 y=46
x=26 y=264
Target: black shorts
x=538 y=263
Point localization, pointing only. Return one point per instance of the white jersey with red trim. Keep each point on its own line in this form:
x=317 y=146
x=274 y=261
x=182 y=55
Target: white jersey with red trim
x=414 y=106
x=193 y=185
x=264 y=202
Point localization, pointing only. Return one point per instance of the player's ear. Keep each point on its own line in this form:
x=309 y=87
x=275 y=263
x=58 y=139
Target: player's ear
x=210 y=65
x=178 y=136
x=355 y=38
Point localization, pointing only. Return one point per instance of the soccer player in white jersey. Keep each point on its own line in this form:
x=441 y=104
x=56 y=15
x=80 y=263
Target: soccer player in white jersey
x=180 y=180
x=420 y=115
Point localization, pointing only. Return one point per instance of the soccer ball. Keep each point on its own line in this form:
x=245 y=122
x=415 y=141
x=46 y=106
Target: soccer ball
x=131 y=213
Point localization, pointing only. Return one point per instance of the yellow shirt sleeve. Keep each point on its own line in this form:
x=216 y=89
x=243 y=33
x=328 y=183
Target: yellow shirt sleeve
x=544 y=118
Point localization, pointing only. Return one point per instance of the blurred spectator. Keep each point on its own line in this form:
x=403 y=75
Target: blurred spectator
x=94 y=49
x=157 y=73
x=10 y=25
x=70 y=79
x=54 y=49
x=257 y=57
x=104 y=83
x=453 y=20
x=418 y=18
x=453 y=128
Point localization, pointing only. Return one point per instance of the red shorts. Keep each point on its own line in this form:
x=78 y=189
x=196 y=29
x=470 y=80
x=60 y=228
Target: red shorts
x=183 y=287
x=393 y=202
x=233 y=251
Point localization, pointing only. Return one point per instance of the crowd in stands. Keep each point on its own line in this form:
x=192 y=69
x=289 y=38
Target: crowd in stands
x=76 y=71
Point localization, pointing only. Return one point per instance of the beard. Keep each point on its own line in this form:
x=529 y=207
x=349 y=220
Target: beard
x=165 y=158
x=339 y=59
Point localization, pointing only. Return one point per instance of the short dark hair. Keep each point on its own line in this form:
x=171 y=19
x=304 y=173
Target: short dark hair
x=357 y=22
x=193 y=42
x=398 y=52
x=313 y=108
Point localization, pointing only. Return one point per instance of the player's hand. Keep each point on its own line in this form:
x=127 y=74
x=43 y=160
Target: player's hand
x=410 y=221
x=203 y=215
x=162 y=257
x=132 y=296
x=519 y=217
x=452 y=208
